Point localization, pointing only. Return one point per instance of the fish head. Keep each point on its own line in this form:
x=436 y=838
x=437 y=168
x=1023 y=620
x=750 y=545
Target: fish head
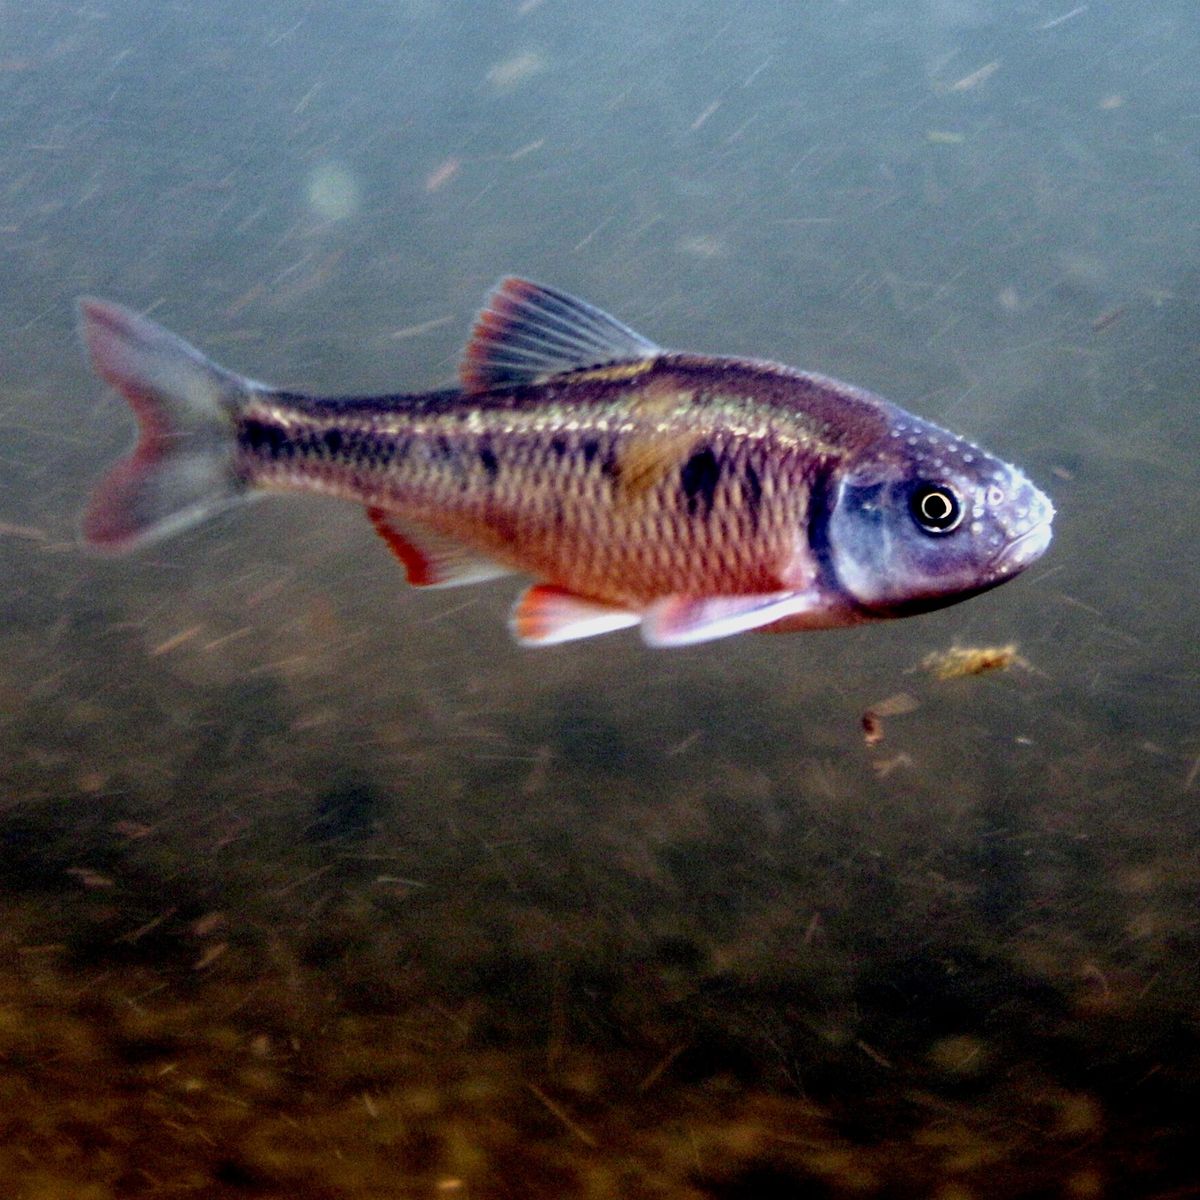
x=926 y=519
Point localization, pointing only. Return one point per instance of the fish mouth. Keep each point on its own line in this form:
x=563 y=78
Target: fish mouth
x=1027 y=548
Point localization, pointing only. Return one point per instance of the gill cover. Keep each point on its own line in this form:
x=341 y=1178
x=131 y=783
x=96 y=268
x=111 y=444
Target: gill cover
x=898 y=541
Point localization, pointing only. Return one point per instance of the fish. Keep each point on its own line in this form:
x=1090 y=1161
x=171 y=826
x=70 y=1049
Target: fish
x=690 y=495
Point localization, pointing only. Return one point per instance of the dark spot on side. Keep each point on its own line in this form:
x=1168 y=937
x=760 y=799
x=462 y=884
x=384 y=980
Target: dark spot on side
x=699 y=478
x=752 y=491
x=264 y=438
x=594 y=449
x=442 y=450
x=332 y=439
x=490 y=463
x=559 y=446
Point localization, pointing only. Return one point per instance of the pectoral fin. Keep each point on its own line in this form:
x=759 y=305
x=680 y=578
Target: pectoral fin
x=428 y=558
x=546 y=616
x=686 y=620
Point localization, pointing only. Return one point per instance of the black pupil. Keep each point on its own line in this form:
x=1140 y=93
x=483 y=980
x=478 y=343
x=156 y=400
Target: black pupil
x=935 y=508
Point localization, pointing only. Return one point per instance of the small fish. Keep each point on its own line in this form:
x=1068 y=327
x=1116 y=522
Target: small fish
x=694 y=496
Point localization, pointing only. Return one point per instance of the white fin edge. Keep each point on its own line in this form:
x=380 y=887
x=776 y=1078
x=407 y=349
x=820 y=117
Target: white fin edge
x=548 y=616
x=688 y=620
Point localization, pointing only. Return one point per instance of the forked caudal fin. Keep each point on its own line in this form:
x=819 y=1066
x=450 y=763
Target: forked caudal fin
x=182 y=468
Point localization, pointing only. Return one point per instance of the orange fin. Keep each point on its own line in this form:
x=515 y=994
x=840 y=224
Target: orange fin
x=527 y=332
x=687 y=620
x=546 y=615
x=429 y=559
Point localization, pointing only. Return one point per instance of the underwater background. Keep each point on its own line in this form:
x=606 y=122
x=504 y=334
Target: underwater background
x=312 y=884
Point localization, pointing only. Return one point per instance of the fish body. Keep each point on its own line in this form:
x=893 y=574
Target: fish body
x=695 y=495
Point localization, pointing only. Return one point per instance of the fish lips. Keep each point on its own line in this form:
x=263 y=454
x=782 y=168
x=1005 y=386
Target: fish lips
x=1027 y=548
x=1029 y=519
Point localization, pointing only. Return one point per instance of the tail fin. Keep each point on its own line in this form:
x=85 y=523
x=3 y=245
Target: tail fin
x=182 y=468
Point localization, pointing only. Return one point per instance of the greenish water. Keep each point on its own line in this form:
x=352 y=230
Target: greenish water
x=317 y=886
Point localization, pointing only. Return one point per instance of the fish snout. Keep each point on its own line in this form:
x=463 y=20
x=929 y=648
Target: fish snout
x=1027 y=520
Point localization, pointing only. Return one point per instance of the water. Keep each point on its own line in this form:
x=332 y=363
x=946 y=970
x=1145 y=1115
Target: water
x=314 y=885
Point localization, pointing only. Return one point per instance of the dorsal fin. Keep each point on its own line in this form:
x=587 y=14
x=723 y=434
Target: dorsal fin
x=527 y=332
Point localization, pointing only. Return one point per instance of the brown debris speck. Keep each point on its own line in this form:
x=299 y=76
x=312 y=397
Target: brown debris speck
x=872 y=726
x=893 y=706
x=961 y=661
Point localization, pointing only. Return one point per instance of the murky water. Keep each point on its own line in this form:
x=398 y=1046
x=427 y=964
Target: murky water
x=314 y=885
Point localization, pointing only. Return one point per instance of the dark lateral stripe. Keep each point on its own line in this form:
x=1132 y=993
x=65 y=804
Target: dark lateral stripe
x=263 y=437
x=273 y=440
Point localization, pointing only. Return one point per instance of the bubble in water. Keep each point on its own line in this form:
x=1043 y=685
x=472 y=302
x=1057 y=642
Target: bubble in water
x=333 y=191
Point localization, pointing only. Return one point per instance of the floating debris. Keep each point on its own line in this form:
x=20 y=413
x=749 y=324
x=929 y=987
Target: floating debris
x=421 y=328
x=1192 y=774
x=442 y=174
x=885 y=766
x=1054 y=22
x=561 y=1114
x=174 y=642
x=967 y=82
x=945 y=137
x=134 y=831
x=210 y=956
x=703 y=117
x=90 y=878
x=528 y=148
x=505 y=75
x=209 y=923
x=872 y=728
x=1110 y=317
x=960 y=661
x=893 y=706
x=702 y=245
x=27 y=533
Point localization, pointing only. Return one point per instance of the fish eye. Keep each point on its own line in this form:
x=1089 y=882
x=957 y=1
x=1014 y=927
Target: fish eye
x=935 y=508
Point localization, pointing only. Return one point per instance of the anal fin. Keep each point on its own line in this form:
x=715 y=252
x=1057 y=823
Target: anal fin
x=431 y=559
x=547 y=615
x=688 y=620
